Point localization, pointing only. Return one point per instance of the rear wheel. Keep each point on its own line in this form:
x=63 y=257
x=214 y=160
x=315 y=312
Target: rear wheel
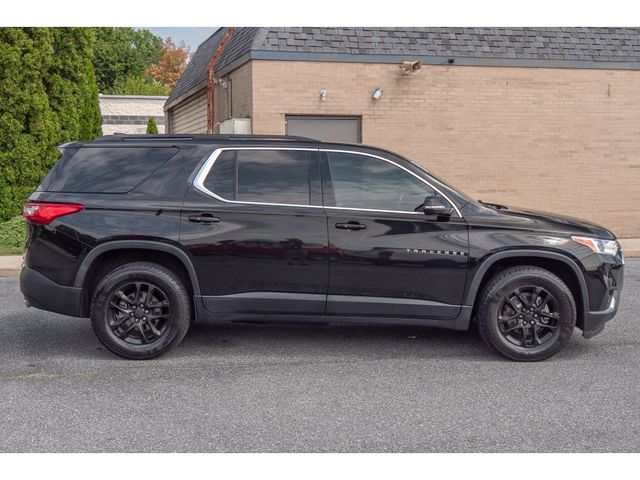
x=526 y=313
x=140 y=310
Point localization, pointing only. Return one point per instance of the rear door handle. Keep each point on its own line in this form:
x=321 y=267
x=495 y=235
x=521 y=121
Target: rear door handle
x=205 y=218
x=351 y=226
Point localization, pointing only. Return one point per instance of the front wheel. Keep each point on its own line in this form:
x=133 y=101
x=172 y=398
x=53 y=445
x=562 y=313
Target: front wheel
x=140 y=310
x=526 y=313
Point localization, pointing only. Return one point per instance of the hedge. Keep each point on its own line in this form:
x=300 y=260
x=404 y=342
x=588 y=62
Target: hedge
x=49 y=96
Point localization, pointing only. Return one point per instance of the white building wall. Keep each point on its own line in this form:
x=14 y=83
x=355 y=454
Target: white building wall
x=130 y=113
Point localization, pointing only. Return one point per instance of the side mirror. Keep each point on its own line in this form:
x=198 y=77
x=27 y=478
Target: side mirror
x=437 y=205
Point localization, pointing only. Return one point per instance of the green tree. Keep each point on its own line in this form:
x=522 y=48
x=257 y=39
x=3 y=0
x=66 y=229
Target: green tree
x=138 y=85
x=152 y=128
x=29 y=128
x=73 y=93
x=48 y=97
x=91 y=125
x=123 y=52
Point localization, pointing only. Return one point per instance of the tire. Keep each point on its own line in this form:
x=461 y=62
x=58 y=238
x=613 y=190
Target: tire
x=119 y=304
x=510 y=327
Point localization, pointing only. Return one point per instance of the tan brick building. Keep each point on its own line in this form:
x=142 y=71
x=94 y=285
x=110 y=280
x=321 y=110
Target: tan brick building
x=540 y=118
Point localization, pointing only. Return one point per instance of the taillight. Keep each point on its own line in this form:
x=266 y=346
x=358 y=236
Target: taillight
x=43 y=213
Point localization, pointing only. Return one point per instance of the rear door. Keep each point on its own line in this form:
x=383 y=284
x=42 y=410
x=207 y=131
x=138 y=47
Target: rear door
x=387 y=258
x=256 y=229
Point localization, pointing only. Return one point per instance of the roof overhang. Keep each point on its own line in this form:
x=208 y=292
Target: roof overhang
x=397 y=59
x=432 y=60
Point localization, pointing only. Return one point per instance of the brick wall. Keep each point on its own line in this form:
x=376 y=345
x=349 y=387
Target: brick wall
x=563 y=140
x=235 y=100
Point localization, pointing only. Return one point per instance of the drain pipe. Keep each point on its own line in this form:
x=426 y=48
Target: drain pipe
x=212 y=81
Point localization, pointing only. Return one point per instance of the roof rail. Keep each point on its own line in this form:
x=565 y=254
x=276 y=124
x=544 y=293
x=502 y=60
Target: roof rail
x=148 y=138
x=286 y=138
x=169 y=138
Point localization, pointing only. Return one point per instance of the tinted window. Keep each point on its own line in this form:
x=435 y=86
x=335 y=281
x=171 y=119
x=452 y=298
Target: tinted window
x=222 y=177
x=106 y=170
x=263 y=176
x=366 y=182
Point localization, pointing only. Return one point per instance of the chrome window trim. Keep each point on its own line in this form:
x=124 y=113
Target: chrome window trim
x=455 y=207
x=198 y=181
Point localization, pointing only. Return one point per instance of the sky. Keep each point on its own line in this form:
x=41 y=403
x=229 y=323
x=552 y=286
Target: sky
x=192 y=36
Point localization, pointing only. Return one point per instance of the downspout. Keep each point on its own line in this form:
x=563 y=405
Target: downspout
x=212 y=81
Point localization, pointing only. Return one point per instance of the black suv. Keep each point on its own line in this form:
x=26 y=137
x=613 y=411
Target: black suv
x=146 y=234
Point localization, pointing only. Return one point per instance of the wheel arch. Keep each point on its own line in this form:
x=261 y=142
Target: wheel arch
x=561 y=265
x=161 y=250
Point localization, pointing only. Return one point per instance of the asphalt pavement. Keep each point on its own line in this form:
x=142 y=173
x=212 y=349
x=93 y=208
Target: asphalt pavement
x=257 y=388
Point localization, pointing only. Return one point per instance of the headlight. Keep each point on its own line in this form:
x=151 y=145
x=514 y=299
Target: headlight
x=597 y=245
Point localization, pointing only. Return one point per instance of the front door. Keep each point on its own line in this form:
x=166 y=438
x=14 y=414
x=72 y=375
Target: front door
x=387 y=258
x=257 y=233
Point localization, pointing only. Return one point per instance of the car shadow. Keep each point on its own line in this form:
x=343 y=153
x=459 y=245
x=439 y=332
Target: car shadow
x=51 y=336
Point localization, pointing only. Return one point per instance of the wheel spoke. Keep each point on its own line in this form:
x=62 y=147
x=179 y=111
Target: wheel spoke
x=521 y=298
x=524 y=335
x=120 y=322
x=544 y=302
x=536 y=339
x=553 y=328
x=125 y=332
x=161 y=304
x=120 y=294
x=511 y=304
x=534 y=296
x=143 y=337
x=121 y=309
x=553 y=315
x=506 y=330
x=152 y=327
x=502 y=318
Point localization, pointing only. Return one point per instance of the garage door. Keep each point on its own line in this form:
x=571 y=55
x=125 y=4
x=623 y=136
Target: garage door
x=327 y=129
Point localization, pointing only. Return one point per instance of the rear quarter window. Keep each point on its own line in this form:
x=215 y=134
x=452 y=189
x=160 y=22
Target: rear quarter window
x=105 y=170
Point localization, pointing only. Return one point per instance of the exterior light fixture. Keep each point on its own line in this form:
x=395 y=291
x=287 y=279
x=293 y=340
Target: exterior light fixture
x=323 y=95
x=377 y=93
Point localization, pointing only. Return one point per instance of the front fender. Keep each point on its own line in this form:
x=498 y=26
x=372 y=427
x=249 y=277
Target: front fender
x=482 y=267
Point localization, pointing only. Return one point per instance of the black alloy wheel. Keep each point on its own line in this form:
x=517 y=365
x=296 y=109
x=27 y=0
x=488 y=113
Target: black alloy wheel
x=141 y=310
x=526 y=313
x=139 y=313
x=529 y=316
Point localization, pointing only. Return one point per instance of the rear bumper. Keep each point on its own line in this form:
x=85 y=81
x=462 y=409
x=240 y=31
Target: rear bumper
x=594 y=321
x=43 y=293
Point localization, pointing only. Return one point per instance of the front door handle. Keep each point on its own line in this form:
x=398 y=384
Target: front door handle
x=351 y=226
x=205 y=218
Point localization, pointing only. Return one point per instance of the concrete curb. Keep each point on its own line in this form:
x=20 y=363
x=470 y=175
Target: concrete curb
x=630 y=246
x=10 y=262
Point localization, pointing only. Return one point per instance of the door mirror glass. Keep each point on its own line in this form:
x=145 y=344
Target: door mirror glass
x=437 y=205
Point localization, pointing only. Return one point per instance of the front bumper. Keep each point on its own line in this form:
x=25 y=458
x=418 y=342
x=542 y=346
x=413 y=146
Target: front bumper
x=43 y=293
x=594 y=321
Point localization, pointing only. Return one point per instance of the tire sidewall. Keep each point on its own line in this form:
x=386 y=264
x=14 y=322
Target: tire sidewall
x=566 y=309
x=178 y=320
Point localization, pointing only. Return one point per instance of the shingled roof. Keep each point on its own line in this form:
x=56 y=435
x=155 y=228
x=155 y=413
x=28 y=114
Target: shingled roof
x=562 y=47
